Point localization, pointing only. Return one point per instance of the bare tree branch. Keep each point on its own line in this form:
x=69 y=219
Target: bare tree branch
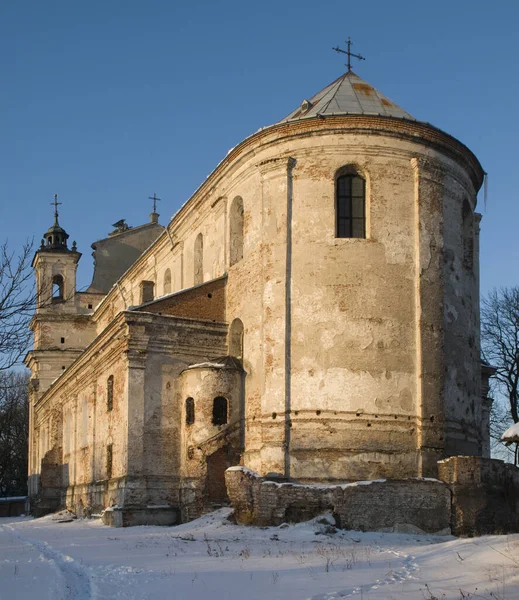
x=17 y=303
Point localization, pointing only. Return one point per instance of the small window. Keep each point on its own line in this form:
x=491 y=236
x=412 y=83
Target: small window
x=109 y=461
x=350 y=207
x=147 y=291
x=57 y=288
x=62 y=340
x=190 y=411
x=110 y=393
x=219 y=411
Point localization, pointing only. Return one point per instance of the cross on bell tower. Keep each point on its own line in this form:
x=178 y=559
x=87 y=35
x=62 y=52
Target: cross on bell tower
x=348 y=52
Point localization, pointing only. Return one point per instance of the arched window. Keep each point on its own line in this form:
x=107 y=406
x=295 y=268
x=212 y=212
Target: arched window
x=167 y=281
x=57 y=288
x=236 y=339
x=198 y=260
x=236 y=231
x=219 y=411
x=190 y=411
x=467 y=217
x=350 y=206
x=110 y=393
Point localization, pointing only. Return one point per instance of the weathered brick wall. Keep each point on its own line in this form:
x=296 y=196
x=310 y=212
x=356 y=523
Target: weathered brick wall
x=365 y=506
x=485 y=495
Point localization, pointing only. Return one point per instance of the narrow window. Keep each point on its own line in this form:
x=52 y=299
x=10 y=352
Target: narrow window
x=236 y=339
x=236 y=231
x=351 y=207
x=147 y=291
x=468 y=235
x=57 y=288
x=198 y=260
x=167 y=281
x=219 y=411
x=62 y=340
x=110 y=393
x=190 y=411
x=109 y=461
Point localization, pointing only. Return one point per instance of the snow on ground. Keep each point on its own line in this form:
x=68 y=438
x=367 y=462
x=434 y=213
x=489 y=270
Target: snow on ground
x=212 y=559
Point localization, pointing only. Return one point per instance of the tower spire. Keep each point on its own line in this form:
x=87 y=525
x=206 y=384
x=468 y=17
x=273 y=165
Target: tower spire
x=349 y=53
x=56 y=237
x=56 y=203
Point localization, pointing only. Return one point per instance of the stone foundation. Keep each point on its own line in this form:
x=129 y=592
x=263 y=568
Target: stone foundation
x=129 y=517
x=410 y=505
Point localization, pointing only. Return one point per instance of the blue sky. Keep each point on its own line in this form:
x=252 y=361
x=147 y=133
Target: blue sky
x=107 y=102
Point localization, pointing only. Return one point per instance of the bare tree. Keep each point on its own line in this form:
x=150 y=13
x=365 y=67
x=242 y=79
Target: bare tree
x=500 y=347
x=17 y=302
x=14 y=431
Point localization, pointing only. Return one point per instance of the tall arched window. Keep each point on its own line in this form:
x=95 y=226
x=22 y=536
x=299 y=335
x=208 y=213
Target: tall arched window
x=57 y=288
x=190 y=411
x=236 y=231
x=467 y=217
x=219 y=411
x=350 y=206
x=167 y=281
x=198 y=259
x=110 y=393
x=236 y=339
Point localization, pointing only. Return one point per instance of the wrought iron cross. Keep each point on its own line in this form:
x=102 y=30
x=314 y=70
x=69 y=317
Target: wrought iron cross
x=154 y=198
x=56 y=203
x=349 y=53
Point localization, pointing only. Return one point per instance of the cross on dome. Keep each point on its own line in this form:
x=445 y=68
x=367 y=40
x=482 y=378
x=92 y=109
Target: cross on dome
x=349 y=53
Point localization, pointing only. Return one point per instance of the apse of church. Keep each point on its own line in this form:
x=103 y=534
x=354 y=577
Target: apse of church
x=299 y=315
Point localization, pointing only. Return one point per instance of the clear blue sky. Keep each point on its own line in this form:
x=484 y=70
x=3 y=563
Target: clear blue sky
x=106 y=102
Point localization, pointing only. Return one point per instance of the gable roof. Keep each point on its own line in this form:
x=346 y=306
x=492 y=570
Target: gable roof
x=348 y=95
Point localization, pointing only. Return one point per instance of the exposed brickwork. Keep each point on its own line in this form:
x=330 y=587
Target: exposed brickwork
x=485 y=495
x=365 y=506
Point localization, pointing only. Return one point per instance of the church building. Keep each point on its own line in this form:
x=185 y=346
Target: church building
x=312 y=311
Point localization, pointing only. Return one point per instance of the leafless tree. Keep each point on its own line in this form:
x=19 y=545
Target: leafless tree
x=500 y=347
x=14 y=428
x=17 y=301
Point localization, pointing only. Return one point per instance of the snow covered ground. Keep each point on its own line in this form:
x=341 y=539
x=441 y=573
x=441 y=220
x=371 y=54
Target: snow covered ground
x=215 y=560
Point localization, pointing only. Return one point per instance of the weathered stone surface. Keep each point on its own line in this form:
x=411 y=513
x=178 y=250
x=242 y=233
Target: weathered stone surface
x=360 y=356
x=485 y=495
x=383 y=505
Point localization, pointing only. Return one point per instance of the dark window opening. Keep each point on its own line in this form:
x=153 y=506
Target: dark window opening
x=62 y=340
x=350 y=207
x=110 y=393
x=219 y=411
x=109 y=461
x=57 y=288
x=190 y=411
x=89 y=306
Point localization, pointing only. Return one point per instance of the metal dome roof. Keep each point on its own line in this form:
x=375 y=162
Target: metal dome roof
x=348 y=95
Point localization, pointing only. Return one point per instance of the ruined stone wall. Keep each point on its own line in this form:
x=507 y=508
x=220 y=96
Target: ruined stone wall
x=485 y=495
x=411 y=505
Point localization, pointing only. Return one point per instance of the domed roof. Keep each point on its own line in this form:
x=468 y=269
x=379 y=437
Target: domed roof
x=348 y=95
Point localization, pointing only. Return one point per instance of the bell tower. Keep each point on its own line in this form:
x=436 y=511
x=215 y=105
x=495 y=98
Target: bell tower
x=55 y=269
